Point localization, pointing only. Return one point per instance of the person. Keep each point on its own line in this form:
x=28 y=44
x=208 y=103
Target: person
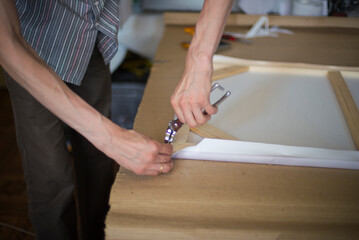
x=55 y=55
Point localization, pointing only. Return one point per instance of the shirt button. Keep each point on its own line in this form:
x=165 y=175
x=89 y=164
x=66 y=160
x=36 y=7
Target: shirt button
x=96 y=3
x=97 y=24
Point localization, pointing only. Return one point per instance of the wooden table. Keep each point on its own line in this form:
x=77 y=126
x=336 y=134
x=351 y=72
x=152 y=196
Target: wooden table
x=221 y=200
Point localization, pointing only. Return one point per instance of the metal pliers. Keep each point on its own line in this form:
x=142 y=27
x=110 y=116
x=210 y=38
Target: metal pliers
x=175 y=124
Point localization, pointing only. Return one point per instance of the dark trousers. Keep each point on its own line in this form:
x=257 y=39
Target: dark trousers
x=61 y=188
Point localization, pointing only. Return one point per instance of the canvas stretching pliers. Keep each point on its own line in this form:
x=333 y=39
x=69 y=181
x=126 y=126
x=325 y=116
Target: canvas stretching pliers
x=175 y=124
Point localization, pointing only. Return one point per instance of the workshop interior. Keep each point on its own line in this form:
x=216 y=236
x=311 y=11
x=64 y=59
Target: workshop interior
x=142 y=31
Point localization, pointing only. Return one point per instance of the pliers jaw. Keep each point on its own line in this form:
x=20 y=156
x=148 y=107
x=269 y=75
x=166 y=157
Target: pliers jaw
x=172 y=129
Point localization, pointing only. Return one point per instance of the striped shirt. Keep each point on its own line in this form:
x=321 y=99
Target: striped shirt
x=64 y=32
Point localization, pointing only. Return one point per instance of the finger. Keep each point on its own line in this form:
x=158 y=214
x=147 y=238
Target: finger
x=164 y=167
x=163 y=158
x=180 y=115
x=200 y=117
x=176 y=107
x=189 y=118
x=210 y=110
x=158 y=168
x=165 y=149
x=184 y=108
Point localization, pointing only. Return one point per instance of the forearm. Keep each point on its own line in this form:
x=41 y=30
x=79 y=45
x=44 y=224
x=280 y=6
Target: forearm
x=23 y=65
x=209 y=29
x=191 y=96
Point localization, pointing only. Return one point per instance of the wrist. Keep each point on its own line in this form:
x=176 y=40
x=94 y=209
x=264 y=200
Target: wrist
x=100 y=132
x=201 y=50
x=199 y=62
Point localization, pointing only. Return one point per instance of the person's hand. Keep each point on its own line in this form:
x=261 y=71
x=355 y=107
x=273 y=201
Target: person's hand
x=137 y=152
x=191 y=96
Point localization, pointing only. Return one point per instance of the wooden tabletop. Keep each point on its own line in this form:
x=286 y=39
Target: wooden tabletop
x=221 y=200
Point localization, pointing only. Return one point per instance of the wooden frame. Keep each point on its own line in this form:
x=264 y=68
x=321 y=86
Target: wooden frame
x=345 y=100
x=347 y=104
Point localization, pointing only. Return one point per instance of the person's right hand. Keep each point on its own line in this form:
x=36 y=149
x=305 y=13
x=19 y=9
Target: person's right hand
x=137 y=152
x=191 y=95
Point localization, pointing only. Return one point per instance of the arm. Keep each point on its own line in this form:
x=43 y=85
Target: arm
x=192 y=93
x=131 y=150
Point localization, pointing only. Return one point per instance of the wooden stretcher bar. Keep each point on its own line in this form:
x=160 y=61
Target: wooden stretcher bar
x=347 y=104
x=228 y=71
x=208 y=131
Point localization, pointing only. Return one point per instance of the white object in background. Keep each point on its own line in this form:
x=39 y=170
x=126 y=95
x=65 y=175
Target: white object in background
x=118 y=58
x=325 y=7
x=260 y=29
x=140 y=34
x=285 y=7
x=249 y=152
x=256 y=6
x=125 y=10
x=125 y=13
x=307 y=8
x=257 y=27
x=257 y=30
